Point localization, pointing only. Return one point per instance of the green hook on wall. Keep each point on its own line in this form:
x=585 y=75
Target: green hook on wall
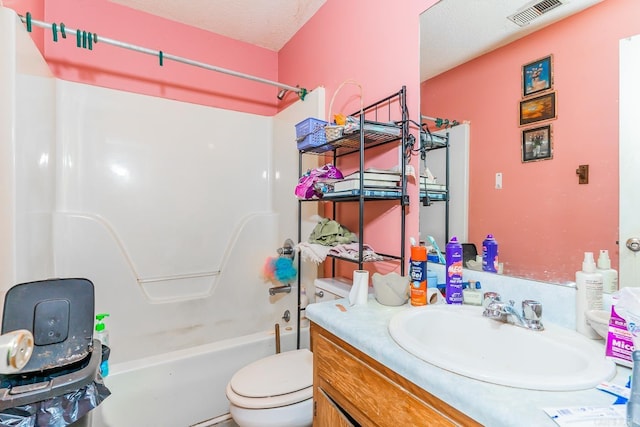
x=161 y=58
x=54 y=30
x=29 y=28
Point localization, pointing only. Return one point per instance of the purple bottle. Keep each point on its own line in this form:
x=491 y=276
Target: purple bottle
x=490 y=254
x=453 y=291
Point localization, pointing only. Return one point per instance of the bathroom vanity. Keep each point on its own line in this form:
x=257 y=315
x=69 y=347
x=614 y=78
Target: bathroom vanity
x=351 y=386
x=362 y=377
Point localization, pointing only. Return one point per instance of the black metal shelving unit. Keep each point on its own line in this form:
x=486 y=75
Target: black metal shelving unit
x=383 y=122
x=427 y=198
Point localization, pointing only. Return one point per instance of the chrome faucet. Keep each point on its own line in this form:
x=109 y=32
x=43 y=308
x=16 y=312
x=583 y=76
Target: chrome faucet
x=495 y=309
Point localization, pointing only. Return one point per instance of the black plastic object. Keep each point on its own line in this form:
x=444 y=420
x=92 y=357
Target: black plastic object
x=63 y=384
x=59 y=313
x=469 y=253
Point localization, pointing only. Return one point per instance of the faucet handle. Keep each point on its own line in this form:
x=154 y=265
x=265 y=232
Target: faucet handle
x=532 y=312
x=489 y=297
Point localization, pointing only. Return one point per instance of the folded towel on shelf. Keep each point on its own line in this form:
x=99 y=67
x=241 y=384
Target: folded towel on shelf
x=330 y=233
x=313 y=252
x=351 y=251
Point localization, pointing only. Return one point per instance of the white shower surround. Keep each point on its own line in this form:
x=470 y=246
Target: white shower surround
x=169 y=208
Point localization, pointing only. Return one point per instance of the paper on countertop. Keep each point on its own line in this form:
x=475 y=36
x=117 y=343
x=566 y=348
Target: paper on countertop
x=585 y=416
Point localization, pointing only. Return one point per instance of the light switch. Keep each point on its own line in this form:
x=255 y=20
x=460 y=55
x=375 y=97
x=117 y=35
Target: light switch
x=499 y=181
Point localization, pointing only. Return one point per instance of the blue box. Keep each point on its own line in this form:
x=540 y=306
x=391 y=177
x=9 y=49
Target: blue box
x=310 y=134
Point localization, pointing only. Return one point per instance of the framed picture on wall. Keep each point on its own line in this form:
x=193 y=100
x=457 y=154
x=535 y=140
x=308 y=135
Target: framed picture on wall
x=538 y=109
x=537 y=76
x=537 y=144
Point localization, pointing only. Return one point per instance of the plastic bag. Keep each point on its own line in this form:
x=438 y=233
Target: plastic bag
x=628 y=307
x=307 y=188
x=59 y=411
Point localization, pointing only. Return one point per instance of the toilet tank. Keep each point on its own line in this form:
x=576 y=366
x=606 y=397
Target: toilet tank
x=332 y=288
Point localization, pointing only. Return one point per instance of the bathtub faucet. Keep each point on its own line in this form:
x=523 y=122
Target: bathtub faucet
x=530 y=317
x=280 y=290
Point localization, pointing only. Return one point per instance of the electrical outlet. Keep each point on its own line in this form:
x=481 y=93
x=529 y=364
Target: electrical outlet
x=499 y=181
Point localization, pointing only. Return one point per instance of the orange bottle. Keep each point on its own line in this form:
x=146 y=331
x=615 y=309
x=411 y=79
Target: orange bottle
x=418 y=275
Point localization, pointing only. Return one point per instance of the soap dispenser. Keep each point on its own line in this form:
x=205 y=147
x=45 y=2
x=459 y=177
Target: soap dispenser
x=588 y=295
x=472 y=295
x=102 y=334
x=609 y=275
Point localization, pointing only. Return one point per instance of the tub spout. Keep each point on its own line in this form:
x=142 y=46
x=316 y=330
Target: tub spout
x=280 y=290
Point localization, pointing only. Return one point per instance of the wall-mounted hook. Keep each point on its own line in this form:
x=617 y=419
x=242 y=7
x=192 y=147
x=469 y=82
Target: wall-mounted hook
x=583 y=174
x=54 y=30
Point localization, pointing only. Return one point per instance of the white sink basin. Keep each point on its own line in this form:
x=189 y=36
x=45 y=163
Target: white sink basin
x=457 y=338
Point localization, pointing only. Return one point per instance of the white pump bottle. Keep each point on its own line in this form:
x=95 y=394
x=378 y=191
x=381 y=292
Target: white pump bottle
x=588 y=295
x=609 y=275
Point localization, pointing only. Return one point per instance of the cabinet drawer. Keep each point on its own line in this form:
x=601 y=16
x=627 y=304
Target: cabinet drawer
x=328 y=414
x=371 y=393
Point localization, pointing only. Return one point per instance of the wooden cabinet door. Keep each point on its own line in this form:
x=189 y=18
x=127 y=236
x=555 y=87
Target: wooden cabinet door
x=326 y=413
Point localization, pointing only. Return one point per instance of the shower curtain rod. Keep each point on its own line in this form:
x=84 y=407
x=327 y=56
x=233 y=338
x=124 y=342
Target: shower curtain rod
x=94 y=38
x=441 y=122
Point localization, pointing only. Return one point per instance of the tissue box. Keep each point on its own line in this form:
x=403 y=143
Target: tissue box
x=619 y=340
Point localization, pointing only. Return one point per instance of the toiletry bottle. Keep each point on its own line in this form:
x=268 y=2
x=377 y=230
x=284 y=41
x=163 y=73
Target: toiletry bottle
x=588 y=295
x=609 y=275
x=453 y=290
x=418 y=275
x=472 y=295
x=490 y=254
x=633 y=405
x=102 y=334
x=304 y=301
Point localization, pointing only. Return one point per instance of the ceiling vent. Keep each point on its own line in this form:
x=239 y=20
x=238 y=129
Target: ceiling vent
x=525 y=16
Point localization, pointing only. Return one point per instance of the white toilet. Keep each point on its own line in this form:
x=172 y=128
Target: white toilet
x=277 y=391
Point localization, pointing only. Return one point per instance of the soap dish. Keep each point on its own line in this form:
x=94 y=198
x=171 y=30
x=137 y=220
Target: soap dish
x=599 y=321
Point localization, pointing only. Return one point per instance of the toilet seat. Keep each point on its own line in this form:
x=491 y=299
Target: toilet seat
x=278 y=380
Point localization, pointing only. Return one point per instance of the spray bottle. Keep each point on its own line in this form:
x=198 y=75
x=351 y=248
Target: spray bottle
x=418 y=275
x=490 y=254
x=102 y=334
x=453 y=272
x=609 y=275
x=588 y=295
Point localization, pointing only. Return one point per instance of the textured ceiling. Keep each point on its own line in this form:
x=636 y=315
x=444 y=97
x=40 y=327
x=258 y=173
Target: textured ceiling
x=453 y=32
x=265 y=23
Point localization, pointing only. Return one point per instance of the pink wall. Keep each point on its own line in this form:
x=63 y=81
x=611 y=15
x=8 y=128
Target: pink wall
x=376 y=46
x=117 y=68
x=36 y=7
x=543 y=220
x=379 y=48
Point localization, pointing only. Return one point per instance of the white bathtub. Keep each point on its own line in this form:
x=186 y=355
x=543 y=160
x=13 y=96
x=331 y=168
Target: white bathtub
x=185 y=387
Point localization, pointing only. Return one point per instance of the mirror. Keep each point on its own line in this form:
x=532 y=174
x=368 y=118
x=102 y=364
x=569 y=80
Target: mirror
x=542 y=218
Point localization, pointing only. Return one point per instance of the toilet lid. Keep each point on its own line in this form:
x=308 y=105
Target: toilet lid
x=276 y=375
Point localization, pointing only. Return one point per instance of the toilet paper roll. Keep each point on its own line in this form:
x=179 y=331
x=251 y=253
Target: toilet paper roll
x=435 y=297
x=16 y=348
x=360 y=288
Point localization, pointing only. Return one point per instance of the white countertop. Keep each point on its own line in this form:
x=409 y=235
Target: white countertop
x=366 y=328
